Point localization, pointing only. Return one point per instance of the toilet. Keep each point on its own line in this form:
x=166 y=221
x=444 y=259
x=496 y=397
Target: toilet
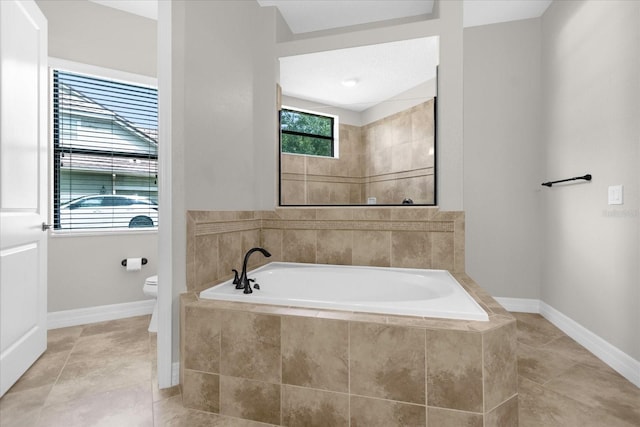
x=150 y=289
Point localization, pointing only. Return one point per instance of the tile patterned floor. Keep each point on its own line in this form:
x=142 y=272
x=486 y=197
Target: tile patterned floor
x=104 y=375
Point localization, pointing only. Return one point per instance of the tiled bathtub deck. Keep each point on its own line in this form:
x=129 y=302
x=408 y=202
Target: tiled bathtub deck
x=307 y=367
x=102 y=375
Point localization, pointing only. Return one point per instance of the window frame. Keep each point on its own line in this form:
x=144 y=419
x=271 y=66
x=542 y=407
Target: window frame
x=125 y=77
x=335 y=139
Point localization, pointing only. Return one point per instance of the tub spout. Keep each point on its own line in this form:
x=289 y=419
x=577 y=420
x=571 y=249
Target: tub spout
x=244 y=282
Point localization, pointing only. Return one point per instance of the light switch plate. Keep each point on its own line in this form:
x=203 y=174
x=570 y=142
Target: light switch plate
x=615 y=194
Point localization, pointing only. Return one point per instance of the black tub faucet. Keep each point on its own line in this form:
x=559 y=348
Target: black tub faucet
x=242 y=281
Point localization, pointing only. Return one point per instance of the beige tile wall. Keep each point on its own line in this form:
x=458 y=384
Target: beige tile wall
x=388 y=159
x=405 y=236
x=398 y=162
x=308 y=180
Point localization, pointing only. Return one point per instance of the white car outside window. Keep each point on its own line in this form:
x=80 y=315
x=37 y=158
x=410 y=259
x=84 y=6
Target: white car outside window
x=109 y=211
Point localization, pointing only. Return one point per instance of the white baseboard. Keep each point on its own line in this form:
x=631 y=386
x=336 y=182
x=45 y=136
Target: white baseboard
x=618 y=360
x=520 y=305
x=83 y=316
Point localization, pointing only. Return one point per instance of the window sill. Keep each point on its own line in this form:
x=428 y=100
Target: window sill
x=97 y=233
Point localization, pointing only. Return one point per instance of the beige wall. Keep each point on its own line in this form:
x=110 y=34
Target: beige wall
x=230 y=121
x=503 y=160
x=85 y=271
x=591 y=86
x=223 y=118
x=83 y=31
x=546 y=99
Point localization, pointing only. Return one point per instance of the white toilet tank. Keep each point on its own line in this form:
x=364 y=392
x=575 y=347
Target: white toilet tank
x=150 y=287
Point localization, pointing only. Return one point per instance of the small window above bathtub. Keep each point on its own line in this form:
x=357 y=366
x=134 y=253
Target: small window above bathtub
x=308 y=133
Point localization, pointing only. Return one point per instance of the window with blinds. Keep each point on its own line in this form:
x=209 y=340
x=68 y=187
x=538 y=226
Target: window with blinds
x=105 y=137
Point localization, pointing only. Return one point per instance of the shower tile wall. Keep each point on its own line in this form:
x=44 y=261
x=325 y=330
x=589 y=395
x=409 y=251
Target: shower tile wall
x=308 y=180
x=386 y=237
x=399 y=159
x=390 y=159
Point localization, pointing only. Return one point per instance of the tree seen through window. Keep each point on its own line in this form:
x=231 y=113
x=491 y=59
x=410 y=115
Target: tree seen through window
x=306 y=133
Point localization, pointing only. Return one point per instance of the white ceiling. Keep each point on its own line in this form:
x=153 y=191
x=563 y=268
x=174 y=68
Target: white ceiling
x=146 y=8
x=312 y=15
x=304 y=16
x=484 y=12
x=381 y=72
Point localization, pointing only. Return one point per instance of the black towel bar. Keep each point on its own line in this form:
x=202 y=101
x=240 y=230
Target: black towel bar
x=587 y=177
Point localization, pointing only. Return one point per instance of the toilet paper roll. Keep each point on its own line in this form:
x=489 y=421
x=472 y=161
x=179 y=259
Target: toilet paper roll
x=134 y=264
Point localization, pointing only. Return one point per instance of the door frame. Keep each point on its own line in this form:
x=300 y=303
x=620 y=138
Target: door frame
x=167 y=374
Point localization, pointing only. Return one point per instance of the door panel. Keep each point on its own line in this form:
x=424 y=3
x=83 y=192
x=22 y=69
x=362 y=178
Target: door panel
x=20 y=81
x=15 y=301
x=23 y=188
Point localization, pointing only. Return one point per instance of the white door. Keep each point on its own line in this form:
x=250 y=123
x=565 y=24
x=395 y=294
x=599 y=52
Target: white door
x=23 y=188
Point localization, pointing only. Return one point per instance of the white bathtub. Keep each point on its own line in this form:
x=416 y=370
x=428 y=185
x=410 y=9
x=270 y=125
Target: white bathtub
x=403 y=291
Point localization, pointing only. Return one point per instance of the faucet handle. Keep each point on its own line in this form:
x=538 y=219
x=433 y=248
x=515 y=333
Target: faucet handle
x=236 y=279
x=255 y=284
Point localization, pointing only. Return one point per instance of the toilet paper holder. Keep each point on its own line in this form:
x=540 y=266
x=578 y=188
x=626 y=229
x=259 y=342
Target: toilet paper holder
x=124 y=262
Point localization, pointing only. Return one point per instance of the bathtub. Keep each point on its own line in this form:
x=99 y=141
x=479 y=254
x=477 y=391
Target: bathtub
x=385 y=290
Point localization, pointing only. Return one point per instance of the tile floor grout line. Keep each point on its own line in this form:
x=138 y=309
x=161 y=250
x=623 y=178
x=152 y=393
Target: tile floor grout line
x=64 y=365
x=55 y=382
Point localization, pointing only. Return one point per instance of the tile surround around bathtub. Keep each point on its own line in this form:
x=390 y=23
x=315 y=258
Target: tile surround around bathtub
x=341 y=367
x=420 y=237
x=410 y=249
x=371 y=248
x=500 y=365
x=305 y=407
x=250 y=400
x=202 y=340
x=315 y=353
x=454 y=370
x=449 y=418
x=334 y=247
x=370 y=412
x=201 y=390
x=387 y=362
x=250 y=346
x=299 y=245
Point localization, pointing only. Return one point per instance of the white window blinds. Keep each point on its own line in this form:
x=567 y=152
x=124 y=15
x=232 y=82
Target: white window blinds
x=105 y=136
